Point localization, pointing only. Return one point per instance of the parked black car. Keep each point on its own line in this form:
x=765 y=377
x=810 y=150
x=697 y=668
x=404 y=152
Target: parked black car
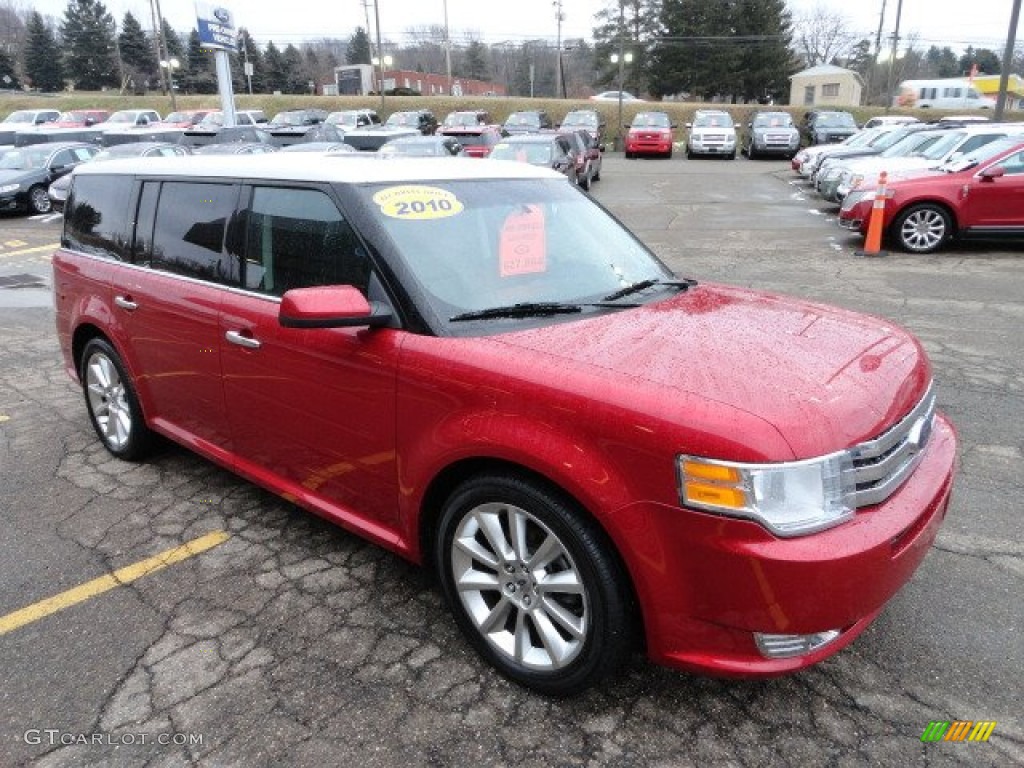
x=58 y=191
x=528 y=121
x=292 y=126
x=422 y=120
x=551 y=150
x=827 y=127
x=26 y=172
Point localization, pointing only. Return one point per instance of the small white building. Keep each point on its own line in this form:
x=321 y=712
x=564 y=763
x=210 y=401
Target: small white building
x=825 y=86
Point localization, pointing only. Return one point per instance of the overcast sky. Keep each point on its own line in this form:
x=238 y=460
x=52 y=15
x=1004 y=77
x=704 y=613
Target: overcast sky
x=956 y=23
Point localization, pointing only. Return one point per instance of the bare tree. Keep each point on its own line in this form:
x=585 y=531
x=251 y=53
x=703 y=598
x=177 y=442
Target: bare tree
x=821 y=36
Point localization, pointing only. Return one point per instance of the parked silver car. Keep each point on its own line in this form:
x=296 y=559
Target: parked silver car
x=771 y=133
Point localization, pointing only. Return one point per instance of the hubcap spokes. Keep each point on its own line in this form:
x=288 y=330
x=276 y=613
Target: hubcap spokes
x=107 y=401
x=520 y=586
x=923 y=230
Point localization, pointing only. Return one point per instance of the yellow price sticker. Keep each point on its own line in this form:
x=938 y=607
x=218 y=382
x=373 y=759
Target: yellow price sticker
x=417 y=203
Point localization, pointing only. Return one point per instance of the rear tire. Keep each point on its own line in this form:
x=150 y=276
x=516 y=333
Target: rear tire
x=112 y=402
x=533 y=584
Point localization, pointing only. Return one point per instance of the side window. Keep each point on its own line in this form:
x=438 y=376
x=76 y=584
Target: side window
x=98 y=220
x=62 y=158
x=296 y=238
x=188 y=232
x=1014 y=164
x=82 y=154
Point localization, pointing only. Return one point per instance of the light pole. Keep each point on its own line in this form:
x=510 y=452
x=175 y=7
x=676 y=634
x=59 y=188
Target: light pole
x=170 y=65
x=622 y=66
x=380 y=58
x=447 y=50
x=621 y=59
x=559 y=18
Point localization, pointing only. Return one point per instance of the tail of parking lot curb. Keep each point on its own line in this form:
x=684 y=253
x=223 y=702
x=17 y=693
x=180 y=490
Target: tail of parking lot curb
x=873 y=240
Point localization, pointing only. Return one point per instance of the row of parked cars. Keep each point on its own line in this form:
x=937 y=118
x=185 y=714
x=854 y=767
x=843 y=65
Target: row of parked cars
x=714 y=133
x=955 y=178
x=38 y=153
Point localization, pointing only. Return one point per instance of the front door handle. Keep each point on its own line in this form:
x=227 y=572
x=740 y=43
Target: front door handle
x=125 y=303
x=236 y=337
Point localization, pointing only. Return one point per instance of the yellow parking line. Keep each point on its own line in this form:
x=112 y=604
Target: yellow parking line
x=24 y=251
x=122 y=576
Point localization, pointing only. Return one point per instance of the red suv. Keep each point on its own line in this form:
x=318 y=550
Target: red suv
x=650 y=133
x=476 y=140
x=978 y=195
x=478 y=367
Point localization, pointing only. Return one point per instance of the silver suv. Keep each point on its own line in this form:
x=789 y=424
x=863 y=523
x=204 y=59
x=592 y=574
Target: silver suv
x=712 y=132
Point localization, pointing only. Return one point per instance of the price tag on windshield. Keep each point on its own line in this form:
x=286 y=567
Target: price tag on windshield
x=522 y=245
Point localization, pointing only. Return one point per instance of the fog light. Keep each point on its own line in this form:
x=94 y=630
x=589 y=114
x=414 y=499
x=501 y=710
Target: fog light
x=786 y=646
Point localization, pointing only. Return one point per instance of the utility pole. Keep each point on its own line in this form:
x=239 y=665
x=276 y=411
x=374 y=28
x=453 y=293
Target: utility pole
x=157 y=35
x=878 y=51
x=1004 y=77
x=167 y=58
x=622 y=67
x=380 y=57
x=447 y=49
x=892 y=61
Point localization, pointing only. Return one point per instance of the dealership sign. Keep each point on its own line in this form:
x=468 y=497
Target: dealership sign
x=216 y=26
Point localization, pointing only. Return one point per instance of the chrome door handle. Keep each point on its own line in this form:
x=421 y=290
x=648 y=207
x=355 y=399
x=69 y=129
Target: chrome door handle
x=124 y=303
x=243 y=341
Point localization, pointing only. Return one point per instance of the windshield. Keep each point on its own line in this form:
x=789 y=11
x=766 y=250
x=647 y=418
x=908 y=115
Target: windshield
x=402 y=118
x=122 y=117
x=343 y=118
x=523 y=118
x=942 y=147
x=414 y=148
x=651 y=120
x=583 y=119
x=837 y=119
x=477 y=244
x=773 y=120
x=20 y=117
x=24 y=159
x=713 y=121
x=462 y=118
x=911 y=143
x=289 y=118
x=72 y=117
x=535 y=153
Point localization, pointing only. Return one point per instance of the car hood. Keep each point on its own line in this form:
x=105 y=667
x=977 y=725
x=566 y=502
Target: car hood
x=825 y=378
x=10 y=176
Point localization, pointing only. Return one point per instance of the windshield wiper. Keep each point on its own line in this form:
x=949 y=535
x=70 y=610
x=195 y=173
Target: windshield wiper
x=526 y=309
x=685 y=284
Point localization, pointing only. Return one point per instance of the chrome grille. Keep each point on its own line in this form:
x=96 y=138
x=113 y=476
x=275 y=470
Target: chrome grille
x=881 y=465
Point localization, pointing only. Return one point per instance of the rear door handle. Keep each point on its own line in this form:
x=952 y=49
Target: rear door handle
x=125 y=303
x=236 y=337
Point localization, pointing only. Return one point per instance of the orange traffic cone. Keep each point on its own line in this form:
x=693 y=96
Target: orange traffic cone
x=873 y=240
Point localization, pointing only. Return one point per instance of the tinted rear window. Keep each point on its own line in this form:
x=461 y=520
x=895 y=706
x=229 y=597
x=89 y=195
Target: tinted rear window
x=98 y=220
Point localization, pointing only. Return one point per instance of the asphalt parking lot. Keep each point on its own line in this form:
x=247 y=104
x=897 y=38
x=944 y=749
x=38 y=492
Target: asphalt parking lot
x=277 y=639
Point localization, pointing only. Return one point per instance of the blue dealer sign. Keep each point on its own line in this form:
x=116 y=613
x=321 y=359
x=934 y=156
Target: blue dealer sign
x=216 y=25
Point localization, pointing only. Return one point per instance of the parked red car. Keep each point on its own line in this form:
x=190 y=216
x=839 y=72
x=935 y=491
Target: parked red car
x=478 y=367
x=650 y=133
x=80 y=118
x=979 y=195
x=476 y=140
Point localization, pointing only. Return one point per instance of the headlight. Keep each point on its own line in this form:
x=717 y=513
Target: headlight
x=8 y=188
x=789 y=499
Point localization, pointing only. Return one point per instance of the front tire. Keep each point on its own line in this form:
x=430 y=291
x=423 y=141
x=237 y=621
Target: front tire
x=39 y=201
x=112 y=402
x=533 y=584
x=923 y=228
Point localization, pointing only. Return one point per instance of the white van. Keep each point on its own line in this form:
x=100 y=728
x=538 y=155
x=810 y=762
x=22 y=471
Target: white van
x=951 y=93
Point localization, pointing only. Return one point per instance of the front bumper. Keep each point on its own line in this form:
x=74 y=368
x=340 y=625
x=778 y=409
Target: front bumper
x=707 y=583
x=643 y=146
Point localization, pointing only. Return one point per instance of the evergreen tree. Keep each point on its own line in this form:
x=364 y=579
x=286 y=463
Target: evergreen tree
x=763 y=37
x=633 y=26
x=137 y=51
x=942 y=62
x=296 y=77
x=90 y=51
x=8 y=77
x=42 y=56
x=198 y=73
x=987 y=61
x=475 y=63
x=274 y=75
x=358 y=48
x=175 y=48
x=247 y=49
